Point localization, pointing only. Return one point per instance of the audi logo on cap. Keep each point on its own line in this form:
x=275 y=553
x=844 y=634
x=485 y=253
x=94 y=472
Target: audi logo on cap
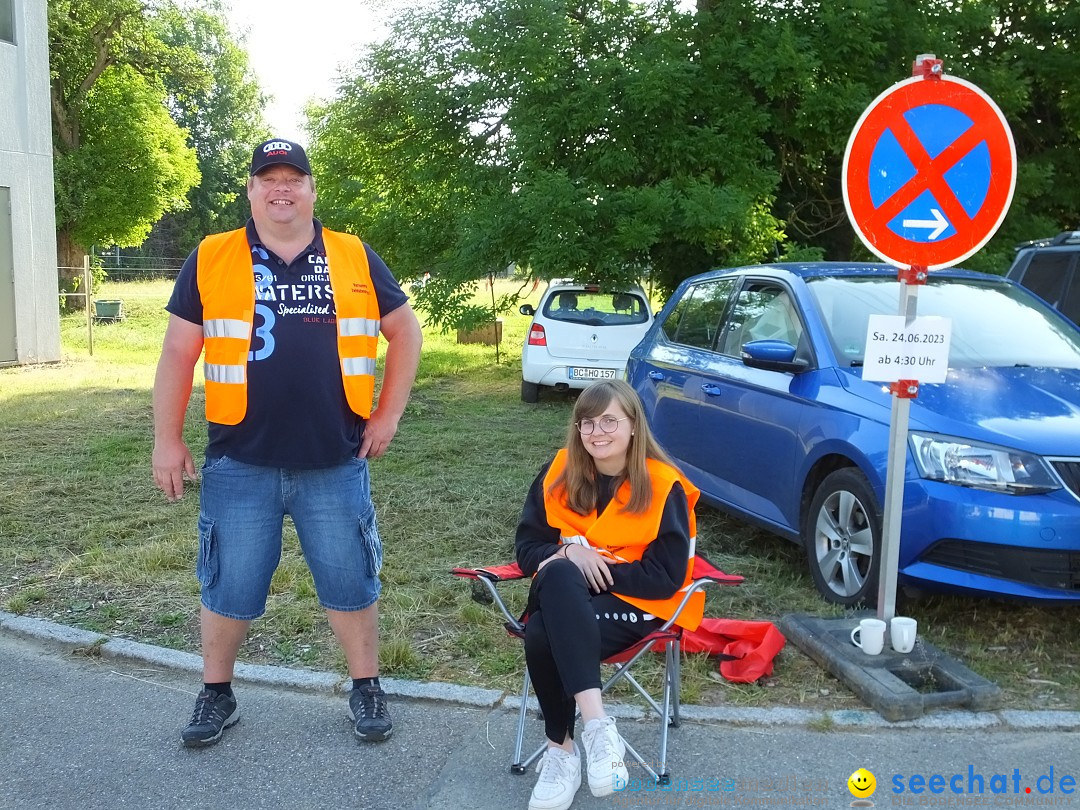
x=277 y=146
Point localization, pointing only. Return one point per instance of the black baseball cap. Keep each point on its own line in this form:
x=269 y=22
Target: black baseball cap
x=279 y=150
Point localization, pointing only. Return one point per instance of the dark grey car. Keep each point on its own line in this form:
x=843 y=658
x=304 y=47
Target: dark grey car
x=1050 y=268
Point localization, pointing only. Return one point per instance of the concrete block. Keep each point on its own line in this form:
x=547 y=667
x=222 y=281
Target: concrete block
x=898 y=686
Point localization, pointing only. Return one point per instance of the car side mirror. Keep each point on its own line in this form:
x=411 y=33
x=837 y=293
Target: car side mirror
x=527 y=309
x=772 y=355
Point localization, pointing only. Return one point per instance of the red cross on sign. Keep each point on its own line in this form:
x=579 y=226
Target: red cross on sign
x=929 y=172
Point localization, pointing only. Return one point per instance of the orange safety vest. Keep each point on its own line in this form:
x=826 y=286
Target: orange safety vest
x=623 y=536
x=227 y=289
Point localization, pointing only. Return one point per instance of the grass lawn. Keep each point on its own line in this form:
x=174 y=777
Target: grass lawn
x=86 y=539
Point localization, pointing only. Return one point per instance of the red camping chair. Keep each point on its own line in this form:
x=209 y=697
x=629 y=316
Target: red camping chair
x=666 y=639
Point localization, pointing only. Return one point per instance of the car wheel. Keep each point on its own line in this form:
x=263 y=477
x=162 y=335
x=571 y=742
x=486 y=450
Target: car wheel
x=842 y=536
x=530 y=392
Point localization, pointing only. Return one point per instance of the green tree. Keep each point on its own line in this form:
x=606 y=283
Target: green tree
x=120 y=160
x=620 y=139
x=1023 y=54
x=815 y=66
x=570 y=139
x=812 y=68
x=222 y=112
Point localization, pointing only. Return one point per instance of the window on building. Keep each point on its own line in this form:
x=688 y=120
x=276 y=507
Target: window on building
x=7 y=21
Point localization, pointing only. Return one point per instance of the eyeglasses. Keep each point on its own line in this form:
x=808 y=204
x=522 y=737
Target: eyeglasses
x=607 y=424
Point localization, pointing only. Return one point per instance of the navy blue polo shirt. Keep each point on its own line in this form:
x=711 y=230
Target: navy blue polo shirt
x=297 y=414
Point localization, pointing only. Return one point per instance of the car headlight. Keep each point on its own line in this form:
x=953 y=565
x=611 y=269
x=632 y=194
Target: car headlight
x=982 y=466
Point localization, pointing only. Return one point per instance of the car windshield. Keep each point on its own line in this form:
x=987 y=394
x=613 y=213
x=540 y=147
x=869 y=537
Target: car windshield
x=993 y=324
x=596 y=308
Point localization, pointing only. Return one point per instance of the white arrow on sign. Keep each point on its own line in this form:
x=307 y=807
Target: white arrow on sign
x=936 y=225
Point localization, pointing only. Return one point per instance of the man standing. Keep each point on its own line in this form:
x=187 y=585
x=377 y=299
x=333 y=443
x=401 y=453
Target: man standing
x=289 y=315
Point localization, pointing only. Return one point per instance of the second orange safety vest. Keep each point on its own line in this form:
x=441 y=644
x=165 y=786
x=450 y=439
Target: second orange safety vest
x=623 y=536
x=227 y=288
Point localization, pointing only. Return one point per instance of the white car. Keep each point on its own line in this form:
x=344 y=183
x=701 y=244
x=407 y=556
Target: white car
x=580 y=335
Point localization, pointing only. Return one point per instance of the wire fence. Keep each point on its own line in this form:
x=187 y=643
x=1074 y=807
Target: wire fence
x=118 y=267
x=157 y=274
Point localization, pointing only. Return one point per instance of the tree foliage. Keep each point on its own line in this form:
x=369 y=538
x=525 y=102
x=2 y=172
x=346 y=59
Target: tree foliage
x=220 y=105
x=1024 y=55
x=131 y=166
x=120 y=159
x=615 y=139
x=817 y=66
x=568 y=139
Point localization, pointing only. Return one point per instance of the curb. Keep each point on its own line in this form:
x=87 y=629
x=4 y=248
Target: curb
x=52 y=633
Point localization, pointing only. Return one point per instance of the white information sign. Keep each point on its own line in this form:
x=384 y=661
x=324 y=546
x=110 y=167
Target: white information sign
x=898 y=349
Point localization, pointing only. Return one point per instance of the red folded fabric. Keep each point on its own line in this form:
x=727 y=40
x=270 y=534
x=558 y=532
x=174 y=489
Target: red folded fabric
x=704 y=568
x=746 y=649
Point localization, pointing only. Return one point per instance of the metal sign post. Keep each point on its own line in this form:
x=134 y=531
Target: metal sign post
x=928 y=177
x=903 y=391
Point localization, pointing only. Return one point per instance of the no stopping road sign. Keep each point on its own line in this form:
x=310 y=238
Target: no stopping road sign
x=929 y=172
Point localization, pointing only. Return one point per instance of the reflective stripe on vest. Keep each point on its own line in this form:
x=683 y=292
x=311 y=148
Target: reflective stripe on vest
x=226 y=282
x=623 y=537
x=220 y=372
x=224 y=327
x=228 y=375
x=357 y=366
x=358 y=326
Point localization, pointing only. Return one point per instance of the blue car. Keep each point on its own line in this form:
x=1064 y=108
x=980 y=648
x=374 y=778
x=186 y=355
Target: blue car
x=752 y=380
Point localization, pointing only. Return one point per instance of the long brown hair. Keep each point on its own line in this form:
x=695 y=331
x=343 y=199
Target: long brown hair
x=576 y=484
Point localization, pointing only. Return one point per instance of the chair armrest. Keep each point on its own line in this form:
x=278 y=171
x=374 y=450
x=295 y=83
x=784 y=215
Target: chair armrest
x=494 y=573
x=489 y=577
x=704 y=574
x=695 y=586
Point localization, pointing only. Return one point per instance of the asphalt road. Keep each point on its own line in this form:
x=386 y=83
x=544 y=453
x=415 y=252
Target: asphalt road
x=84 y=733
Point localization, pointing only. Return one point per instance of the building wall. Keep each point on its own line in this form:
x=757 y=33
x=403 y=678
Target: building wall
x=26 y=167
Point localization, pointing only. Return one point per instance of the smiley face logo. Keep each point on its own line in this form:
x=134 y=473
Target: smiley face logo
x=862 y=784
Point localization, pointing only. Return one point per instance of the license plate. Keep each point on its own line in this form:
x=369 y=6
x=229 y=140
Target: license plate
x=581 y=373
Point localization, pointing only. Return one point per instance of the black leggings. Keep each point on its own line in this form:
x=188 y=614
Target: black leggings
x=568 y=632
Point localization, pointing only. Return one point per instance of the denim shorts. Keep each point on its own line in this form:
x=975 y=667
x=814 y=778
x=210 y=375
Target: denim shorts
x=241 y=513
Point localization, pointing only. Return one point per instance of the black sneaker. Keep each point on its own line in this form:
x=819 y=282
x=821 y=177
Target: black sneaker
x=213 y=714
x=367 y=706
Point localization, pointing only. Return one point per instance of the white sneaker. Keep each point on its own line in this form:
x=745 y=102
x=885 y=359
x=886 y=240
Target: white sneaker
x=560 y=778
x=605 y=754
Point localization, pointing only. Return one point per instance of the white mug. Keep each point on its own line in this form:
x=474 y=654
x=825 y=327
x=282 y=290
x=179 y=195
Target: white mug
x=871 y=636
x=902 y=633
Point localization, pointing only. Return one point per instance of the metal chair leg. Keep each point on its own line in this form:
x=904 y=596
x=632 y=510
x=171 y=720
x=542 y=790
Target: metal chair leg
x=666 y=712
x=516 y=765
x=675 y=668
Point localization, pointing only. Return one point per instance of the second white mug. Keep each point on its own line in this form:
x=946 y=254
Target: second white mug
x=870 y=636
x=902 y=630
